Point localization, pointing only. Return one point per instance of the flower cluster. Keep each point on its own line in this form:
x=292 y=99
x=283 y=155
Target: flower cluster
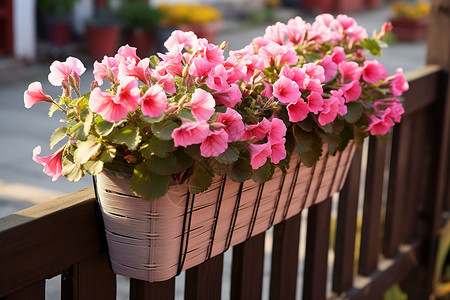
x=191 y=114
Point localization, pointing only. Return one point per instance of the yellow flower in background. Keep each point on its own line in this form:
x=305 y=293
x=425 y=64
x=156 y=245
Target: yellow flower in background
x=411 y=10
x=189 y=13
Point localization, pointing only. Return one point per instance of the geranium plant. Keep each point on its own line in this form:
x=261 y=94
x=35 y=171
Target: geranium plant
x=190 y=114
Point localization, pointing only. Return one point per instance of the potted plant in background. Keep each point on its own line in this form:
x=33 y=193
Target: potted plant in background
x=410 y=20
x=103 y=31
x=204 y=20
x=57 y=20
x=140 y=22
x=194 y=152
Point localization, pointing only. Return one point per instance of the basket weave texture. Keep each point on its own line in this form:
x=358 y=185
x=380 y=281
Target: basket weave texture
x=155 y=240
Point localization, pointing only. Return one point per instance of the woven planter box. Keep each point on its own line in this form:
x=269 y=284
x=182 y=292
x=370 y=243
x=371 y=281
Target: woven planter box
x=156 y=240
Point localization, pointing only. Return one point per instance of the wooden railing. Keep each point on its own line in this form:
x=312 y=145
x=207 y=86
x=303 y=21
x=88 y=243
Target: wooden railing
x=398 y=219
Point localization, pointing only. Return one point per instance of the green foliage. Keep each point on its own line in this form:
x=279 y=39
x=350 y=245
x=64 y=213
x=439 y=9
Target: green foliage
x=56 y=7
x=200 y=179
x=129 y=136
x=147 y=184
x=136 y=14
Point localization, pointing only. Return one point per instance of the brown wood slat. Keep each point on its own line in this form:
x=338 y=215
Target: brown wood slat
x=248 y=269
x=89 y=279
x=32 y=292
x=398 y=186
x=316 y=257
x=49 y=248
x=396 y=269
x=370 y=238
x=346 y=227
x=283 y=278
x=204 y=281
x=423 y=88
x=143 y=290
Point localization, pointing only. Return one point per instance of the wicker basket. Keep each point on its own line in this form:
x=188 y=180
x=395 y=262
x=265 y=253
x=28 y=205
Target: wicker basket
x=156 y=240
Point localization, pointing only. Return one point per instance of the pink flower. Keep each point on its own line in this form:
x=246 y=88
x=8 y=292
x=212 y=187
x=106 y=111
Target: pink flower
x=101 y=70
x=352 y=91
x=338 y=55
x=35 y=94
x=277 y=130
x=116 y=107
x=298 y=110
x=179 y=37
x=329 y=66
x=202 y=105
x=172 y=60
x=258 y=131
x=332 y=107
x=398 y=83
x=286 y=90
x=259 y=154
x=296 y=74
x=52 y=164
x=276 y=33
x=139 y=69
x=314 y=71
x=210 y=52
x=274 y=54
x=154 y=101
x=315 y=102
x=350 y=71
x=215 y=144
x=60 y=71
x=314 y=85
x=200 y=67
x=268 y=90
x=164 y=79
x=228 y=97
x=190 y=133
x=238 y=69
x=396 y=108
x=232 y=121
x=373 y=71
x=381 y=125
x=278 y=151
x=217 y=78
x=127 y=53
x=107 y=106
x=296 y=30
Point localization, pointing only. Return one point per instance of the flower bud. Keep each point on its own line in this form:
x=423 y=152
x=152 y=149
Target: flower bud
x=65 y=88
x=110 y=76
x=171 y=109
x=223 y=45
x=216 y=126
x=185 y=71
x=94 y=84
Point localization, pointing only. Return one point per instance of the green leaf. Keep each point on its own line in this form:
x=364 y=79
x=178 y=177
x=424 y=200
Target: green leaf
x=241 y=171
x=129 y=135
x=164 y=131
x=81 y=130
x=263 y=173
x=354 y=112
x=108 y=154
x=372 y=45
x=307 y=124
x=147 y=184
x=194 y=152
x=161 y=147
x=221 y=109
x=86 y=115
x=219 y=167
x=305 y=140
x=70 y=170
x=186 y=114
x=229 y=156
x=93 y=167
x=184 y=161
x=57 y=136
x=154 y=60
x=311 y=157
x=162 y=166
x=53 y=108
x=332 y=141
x=85 y=150
x=200 y=179
x=103 y=127
x=359 y=135
x=151 y=120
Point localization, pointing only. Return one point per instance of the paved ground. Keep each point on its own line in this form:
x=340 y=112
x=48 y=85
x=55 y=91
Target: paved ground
x=22 y=182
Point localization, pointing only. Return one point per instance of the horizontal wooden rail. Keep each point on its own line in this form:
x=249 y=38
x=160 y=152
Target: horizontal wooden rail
x=47 y=239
